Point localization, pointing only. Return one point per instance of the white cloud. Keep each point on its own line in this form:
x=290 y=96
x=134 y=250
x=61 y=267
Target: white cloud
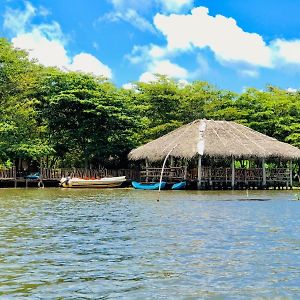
x=289 y=51
x=203 y=66
x=129 y=86
x=182 y=83
x=292 y=90
x=47 y=52
x=137 y=5
x=222 y=35
x=138 y=54
x=130 y=11
x=88 y=63
x=145 y=6
x=43 y=11
x=96 y=45
x=249 y=73
x=157 y=51
x=46 y=43
x=142 y=54
x=163 y=67
x=130 y=16
x=51 y=31
x=16 y=20
x=147 y=77
x=175 y=5
x=133 y=11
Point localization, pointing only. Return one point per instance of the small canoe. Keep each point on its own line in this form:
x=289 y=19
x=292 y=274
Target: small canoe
x=179 y=185
x=34 y=176
x=148 y=186
x=105 y=182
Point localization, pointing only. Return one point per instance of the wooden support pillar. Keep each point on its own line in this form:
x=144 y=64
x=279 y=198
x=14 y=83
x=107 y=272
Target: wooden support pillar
x=15 y=176
x=171 y=161
x=41 y=169
x=209 y=174
x=185 y=169
x=291 y=173
x=172 y=173
x=199 y=172
x=147 y=166
x=232 y=173
x=264 y=176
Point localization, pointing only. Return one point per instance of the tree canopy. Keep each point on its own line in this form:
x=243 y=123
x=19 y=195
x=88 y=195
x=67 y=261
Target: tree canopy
x=76 y=119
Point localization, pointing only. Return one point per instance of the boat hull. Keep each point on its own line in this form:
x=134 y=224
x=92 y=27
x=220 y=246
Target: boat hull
x=106 y=182
x=179 y=185
x=148 y=186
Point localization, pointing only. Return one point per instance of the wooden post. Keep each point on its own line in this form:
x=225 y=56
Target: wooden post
x=199 y=172
x=147 y=166
x=15 y=175
x=185 y=169
x=264 y=177
x=41 y=169
x=172 y=171
x=291 y=173
x=171 y=161
x=209 y=174
x=232 y=173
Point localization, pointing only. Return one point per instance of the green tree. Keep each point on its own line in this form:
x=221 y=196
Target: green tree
x=21 y=136
x=88 y=118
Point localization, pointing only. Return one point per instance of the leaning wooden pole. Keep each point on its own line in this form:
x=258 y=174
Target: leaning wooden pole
x=162 y=171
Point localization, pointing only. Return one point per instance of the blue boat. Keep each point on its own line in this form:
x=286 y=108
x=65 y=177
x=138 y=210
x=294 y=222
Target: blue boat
x=148 y=186
x=34 y=176
x=179 y=185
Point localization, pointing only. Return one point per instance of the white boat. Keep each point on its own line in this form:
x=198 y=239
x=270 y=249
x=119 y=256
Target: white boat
x=105 y=182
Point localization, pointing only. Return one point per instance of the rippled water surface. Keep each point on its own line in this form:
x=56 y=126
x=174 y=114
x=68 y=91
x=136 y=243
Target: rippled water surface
x=123 y=244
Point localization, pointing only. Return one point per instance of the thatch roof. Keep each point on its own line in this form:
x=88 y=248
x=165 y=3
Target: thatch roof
x=215 y=139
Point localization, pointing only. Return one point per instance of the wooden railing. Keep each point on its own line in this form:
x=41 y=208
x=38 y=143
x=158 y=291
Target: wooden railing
x=8 y=173
x=56 y=174
x=170 y=174
x=218 y=174
x=209 y=175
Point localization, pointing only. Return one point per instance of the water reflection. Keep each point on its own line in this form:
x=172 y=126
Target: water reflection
x=108 y=244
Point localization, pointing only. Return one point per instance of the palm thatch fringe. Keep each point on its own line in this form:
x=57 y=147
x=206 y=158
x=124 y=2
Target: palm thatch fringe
x=220 y=139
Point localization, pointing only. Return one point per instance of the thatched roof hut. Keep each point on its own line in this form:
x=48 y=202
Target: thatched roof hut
x=215 y=139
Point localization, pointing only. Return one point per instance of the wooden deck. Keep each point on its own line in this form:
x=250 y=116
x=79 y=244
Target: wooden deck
x=221 y=178
x=51 y=177
x=211 y=178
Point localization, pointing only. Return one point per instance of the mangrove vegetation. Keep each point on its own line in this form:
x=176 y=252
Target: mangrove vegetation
x=79 y=120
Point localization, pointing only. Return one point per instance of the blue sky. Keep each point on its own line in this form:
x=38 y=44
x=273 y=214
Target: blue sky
x=233 y=44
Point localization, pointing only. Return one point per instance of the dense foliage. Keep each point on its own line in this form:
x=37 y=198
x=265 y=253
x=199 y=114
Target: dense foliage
x=74 y=119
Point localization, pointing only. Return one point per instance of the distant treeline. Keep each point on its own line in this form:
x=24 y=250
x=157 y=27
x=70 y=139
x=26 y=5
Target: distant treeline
x=74 y=119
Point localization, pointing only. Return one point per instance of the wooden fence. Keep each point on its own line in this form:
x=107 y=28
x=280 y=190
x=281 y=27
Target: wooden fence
x=169 y=174
x=209 y=176
x=218 y=175
x=56 y=174
x=8 y=174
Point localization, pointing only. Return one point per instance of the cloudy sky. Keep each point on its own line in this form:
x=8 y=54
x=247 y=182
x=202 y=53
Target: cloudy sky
x=233 y=44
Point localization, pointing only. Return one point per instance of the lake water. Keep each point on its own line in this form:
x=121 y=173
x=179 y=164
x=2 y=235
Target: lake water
x=123 y=244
